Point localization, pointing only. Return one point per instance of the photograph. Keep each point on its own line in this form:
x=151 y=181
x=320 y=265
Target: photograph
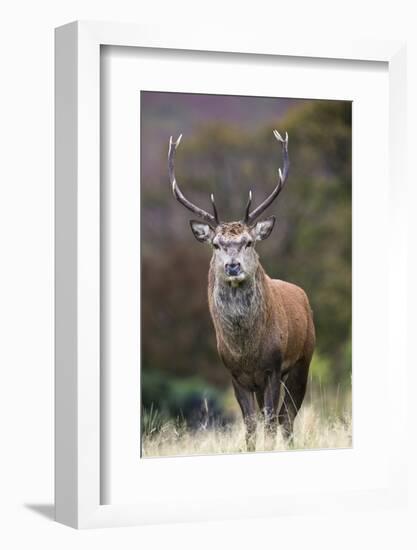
x=245 y=275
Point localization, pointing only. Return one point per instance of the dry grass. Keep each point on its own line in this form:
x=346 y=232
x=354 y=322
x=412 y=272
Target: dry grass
x=313 y=430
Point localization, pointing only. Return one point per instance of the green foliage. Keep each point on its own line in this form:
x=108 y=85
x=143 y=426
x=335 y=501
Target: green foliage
x=152 y=421
x=184 y=398
x=321 y=369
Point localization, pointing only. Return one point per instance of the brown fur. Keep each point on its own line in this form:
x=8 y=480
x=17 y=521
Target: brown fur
x=231 y=229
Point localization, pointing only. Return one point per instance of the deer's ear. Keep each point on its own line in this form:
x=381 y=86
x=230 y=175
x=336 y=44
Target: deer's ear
x=263 y=229
x=203 y=232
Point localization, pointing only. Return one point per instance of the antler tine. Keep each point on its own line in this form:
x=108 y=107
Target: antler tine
x=284 y=143
x=216 y=215
x=251 y=217
x=246 y=219
x=173 y=145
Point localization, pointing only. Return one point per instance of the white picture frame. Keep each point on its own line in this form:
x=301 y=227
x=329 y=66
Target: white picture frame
x=78 y=405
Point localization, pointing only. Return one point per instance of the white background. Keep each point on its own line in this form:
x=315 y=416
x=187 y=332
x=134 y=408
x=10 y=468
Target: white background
x=26 y=285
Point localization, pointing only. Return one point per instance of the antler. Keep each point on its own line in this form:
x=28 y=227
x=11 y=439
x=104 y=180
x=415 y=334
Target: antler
x=214 y=220
x=250 y=217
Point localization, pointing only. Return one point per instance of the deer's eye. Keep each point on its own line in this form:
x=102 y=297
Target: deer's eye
x=216 y=246
x=248 y=244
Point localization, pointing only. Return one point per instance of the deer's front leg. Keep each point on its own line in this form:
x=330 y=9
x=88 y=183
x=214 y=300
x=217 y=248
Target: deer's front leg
x=246 y=400
x=271 y=400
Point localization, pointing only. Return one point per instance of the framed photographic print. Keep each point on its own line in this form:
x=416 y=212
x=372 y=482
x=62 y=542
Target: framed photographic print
x=222 y=248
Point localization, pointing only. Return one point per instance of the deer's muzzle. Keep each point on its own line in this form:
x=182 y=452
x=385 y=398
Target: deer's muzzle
x=233 y=269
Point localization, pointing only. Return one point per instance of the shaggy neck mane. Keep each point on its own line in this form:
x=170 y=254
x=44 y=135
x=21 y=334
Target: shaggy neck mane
x=239 y=312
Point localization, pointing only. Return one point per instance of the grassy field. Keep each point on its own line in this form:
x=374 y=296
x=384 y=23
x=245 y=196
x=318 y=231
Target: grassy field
x=314 y=429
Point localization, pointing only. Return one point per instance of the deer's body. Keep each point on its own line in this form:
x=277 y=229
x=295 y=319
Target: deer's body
x=264 y=327
x=261 y=326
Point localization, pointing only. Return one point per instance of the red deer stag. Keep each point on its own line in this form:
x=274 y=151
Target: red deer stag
x=264 y=327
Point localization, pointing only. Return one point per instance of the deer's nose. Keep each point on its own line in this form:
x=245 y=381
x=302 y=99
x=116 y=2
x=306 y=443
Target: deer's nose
x=232 y=268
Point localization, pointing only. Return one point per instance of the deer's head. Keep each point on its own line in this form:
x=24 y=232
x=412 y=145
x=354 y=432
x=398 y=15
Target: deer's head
x=234 y=255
